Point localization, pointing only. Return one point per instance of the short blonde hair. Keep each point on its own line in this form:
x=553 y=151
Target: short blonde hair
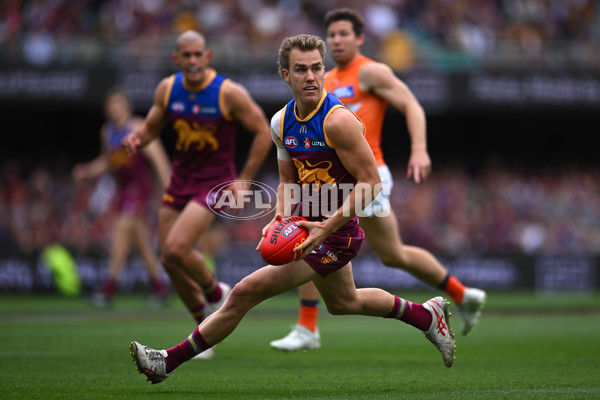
x=301 y=42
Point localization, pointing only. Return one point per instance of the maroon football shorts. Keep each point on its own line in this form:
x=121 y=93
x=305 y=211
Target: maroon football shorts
x=337 y=250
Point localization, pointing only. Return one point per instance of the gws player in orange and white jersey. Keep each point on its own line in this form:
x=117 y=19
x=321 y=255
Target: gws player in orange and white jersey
x=204 y=109
x=367 y=87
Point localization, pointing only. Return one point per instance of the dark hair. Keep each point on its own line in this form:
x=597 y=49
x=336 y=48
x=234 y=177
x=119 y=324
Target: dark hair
x=301 y=42
x=116 y=91
x=346 y=14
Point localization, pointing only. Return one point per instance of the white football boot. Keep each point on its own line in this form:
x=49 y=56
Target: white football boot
x=470 y=308
x=208 y=354
x=149 y=362
x=439 y=333
x=300 y=338
x=210 y=308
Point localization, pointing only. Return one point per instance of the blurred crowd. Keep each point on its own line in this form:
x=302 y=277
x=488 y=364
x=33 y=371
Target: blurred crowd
x=498 y=209
x=42 y=205
x=442 y=34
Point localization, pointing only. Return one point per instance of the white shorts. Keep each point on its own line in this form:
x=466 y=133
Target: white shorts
x=380 y=206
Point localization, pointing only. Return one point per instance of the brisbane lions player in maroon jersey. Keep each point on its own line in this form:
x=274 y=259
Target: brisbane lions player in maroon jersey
x=335 y=157
x=204 y=109
x=133 y=178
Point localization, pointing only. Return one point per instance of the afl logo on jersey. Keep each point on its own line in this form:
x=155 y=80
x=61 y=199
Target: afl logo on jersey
x=306 y=142
x=290 y=141
x=178 y=106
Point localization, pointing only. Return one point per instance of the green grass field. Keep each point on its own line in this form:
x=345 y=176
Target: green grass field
x=525 y=347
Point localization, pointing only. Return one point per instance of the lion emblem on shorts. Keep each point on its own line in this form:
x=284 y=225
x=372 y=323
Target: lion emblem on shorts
x=317 y=173
x=326 y=260
x=195 y=134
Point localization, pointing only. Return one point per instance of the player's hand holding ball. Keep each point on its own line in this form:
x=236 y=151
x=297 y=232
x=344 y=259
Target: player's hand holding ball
x=280 y=238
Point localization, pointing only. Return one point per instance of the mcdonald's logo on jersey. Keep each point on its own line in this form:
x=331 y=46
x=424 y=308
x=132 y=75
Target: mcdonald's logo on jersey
x=302 y=128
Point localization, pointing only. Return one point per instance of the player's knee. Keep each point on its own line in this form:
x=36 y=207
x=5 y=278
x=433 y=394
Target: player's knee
x=173 y=254
x=168 y=264
x=397 y=258
x=389 y=260
x=246 y=291
x=338 y=308
x=239 y=292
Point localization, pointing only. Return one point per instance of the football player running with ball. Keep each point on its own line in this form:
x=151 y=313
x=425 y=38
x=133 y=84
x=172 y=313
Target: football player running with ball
x=336 y=139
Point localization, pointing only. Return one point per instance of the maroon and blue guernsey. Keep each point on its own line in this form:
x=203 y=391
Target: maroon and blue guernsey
x=322 y=174
x=324 y=180
x=132 y=173
x=204 y=153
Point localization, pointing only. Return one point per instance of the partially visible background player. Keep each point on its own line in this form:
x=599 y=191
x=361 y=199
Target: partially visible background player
x=204 y=109
x=133 y=177
x=367 y=87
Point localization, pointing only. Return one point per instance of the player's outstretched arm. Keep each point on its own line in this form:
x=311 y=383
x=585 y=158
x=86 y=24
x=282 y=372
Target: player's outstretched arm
x=157 y=155
x=240 y=106
x=155 y=121
x=96 y=167
x=345 y=134
x=380 y=80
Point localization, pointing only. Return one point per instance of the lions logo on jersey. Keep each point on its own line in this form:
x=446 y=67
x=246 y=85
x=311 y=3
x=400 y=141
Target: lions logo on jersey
x=201 y=136
x=317 y=173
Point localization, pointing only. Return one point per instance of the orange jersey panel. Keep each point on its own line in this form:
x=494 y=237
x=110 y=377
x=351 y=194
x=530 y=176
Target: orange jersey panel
x=371 y=109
